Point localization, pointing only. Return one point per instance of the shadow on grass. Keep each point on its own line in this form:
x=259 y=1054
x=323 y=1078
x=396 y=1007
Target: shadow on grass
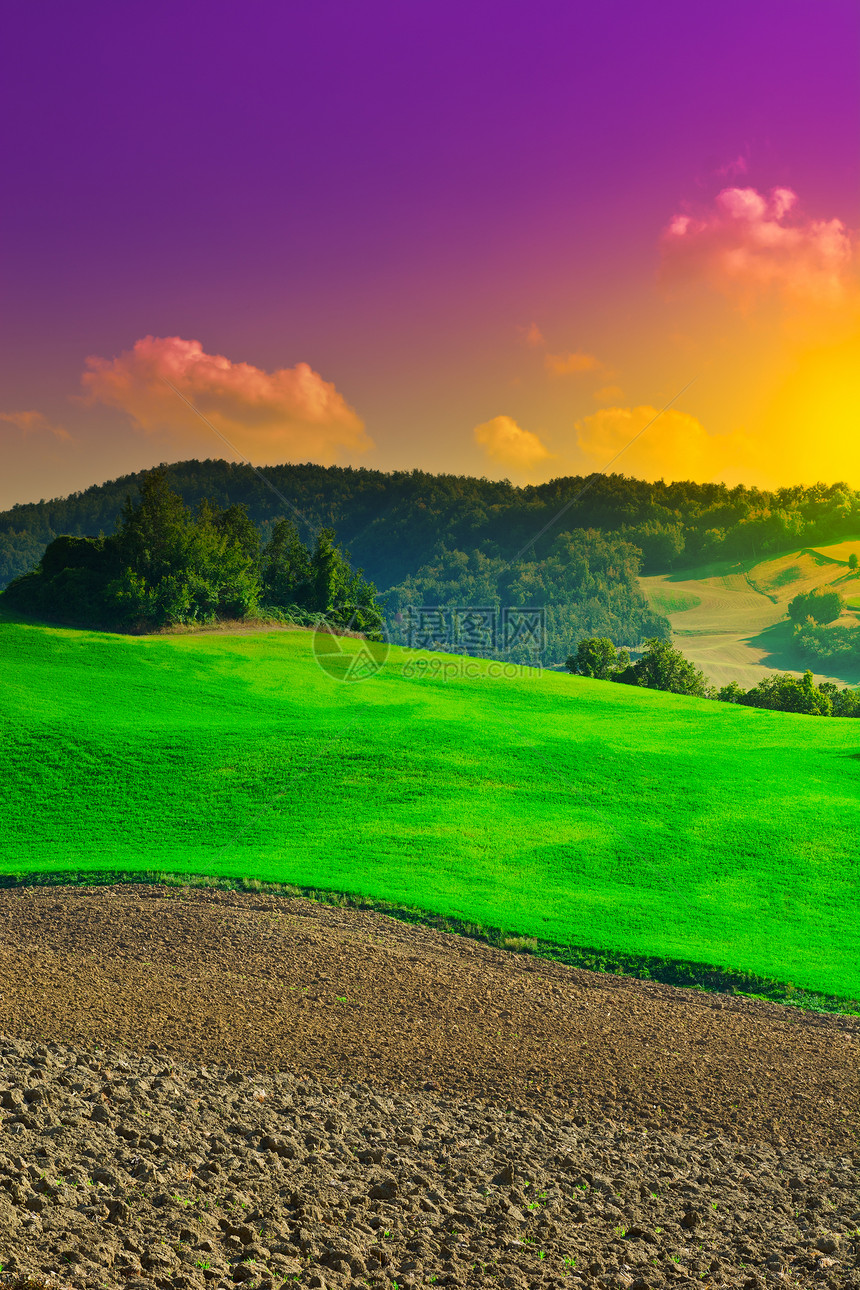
x=677 y=972
x=714 y=569
x=777 y=644
x=14 y=617
x=782 y=655
x=745 y=564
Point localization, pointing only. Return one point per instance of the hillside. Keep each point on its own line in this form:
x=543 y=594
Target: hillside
x=572 y=548
x=580 y=812
x=730 y=618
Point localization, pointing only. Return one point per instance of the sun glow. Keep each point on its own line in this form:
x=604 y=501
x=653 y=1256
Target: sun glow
x=811 y=424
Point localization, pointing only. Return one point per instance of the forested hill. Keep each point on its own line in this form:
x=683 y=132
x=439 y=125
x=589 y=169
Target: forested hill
x=449 y=540
x=394 y=524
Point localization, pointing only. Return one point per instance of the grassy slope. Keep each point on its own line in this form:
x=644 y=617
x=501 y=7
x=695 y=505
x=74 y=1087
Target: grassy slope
x=729 y=619
x=573 y=810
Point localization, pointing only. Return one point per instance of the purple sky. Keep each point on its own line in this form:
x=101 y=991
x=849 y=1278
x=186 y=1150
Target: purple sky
x=387 y=192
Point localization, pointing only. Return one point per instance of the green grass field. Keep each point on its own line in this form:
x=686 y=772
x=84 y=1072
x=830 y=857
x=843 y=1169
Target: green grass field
x=576 y=811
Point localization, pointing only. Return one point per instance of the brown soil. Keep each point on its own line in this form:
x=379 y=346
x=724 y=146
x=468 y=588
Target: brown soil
x=257 y=982
x=122 y=1170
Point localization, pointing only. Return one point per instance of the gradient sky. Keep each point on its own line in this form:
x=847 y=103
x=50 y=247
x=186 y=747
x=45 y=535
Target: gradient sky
x=486 y=238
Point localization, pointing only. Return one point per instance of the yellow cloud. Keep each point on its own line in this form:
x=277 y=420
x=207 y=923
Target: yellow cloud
x=288 y=414
x=675 y=446
x=570 y=364
x=507 y=443
x=609 y=394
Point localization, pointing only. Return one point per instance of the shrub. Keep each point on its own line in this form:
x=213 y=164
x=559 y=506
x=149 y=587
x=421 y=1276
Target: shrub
x=597 y=657
x=820 y=606
x=662 y=667
x=786 y=694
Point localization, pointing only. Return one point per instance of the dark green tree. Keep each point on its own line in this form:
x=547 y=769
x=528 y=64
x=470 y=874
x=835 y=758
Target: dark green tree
x=331 y=573
x=224 y=555
x=166 y=564
x=662 y=667
x=597 y=657
x=344 y=597
x=175 y=568
x=785 y=693
x=845 y=703
x=820 y=605
x=238 y=528
x=286 y=568
x=153 y=534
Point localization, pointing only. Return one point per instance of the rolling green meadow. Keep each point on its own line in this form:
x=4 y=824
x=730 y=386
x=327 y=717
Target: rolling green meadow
x=576 y=811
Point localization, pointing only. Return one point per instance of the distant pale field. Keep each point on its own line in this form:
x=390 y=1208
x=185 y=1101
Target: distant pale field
x=730 y=620
x=583 y=812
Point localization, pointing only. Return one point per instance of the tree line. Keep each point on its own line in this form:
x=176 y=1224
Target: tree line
x=397 y=522
x=584 y=581
x=662 y=667
x=168 y=564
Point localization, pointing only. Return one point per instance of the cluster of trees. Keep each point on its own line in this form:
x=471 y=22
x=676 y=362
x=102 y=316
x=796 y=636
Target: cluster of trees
x=167 y=563
x=20 y=550
x=829 y=646
x=786 y=693
x=425 y=536
x=662 y=667
x=822 y=605
x=818 y=643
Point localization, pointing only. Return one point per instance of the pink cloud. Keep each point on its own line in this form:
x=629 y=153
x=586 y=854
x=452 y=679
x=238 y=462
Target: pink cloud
x=745 y=247
x=288 y=414
x=733 y=168
x=34 y=422
x=532 y=336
